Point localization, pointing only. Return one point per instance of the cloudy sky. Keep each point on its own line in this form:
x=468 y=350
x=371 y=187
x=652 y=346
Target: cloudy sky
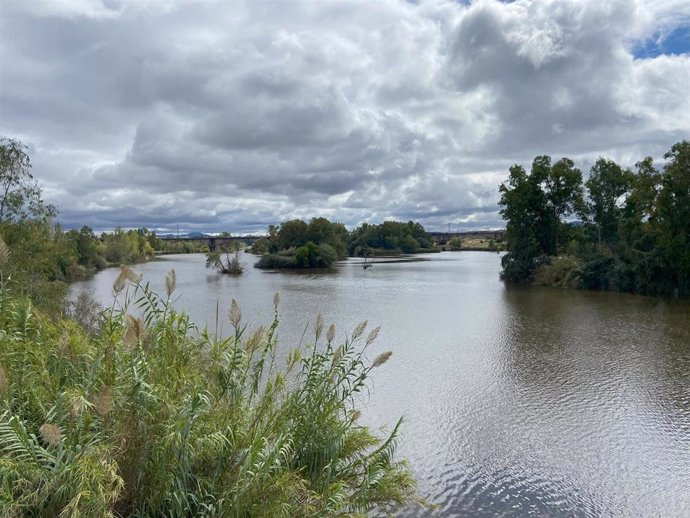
x=230 y=115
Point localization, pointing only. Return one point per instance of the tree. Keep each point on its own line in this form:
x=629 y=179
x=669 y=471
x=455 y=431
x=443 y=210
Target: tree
x=564 y=191
x=607 y=184
x=226 y=258
x=521 y=201
x=673 y=211
x=20 y=195
x=292 y=233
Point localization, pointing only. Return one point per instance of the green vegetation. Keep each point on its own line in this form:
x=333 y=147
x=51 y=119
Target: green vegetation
x=455 y=244
x=132 y=411
x=226 y=258
x=165 y=246
x=320 y=243
x=149 y=418
x=296 y=244
x=633 y=232
x=389 y=238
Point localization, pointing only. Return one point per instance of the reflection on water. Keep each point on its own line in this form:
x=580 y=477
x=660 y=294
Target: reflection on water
x=518 y=401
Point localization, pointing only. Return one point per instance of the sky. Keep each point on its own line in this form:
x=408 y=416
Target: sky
x=217 y=115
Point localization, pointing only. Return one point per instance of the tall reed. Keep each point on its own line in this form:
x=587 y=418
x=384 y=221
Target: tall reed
x=151 y=417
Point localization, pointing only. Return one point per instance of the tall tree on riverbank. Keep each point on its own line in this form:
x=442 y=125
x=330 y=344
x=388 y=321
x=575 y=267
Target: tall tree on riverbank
x=636 y=224
x=20 y=194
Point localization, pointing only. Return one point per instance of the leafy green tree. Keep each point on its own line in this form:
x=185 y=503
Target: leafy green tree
x=521 y=201
x=292 y=233
x=261 y=246
x=607 y=184
x=226 y=258
x=673 y=211
x=20 y=195
x=389 y=237
x=564 y=192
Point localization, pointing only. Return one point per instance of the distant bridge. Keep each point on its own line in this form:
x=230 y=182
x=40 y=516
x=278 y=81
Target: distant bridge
x=442 y=238
x=214 y=241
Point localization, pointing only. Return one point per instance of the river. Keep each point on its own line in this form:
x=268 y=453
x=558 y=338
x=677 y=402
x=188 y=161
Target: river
x=518 y=401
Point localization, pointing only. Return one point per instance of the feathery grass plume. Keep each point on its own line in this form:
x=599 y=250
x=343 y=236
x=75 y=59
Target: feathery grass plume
x=51 y=434
x=252 y=343
x=79 y=404
x=170 y=282
x=318 y=327
x=4 y=253
x=381 y=359
x=294 y=357
x=136 y=331
x=3 y=380
x=330 y=334
x=337 y=355
x=103 y=401
x=359 y=330
x=235 y=314
x=126 y=275
x=372 y=335
x=276 y=300
x=199 y=425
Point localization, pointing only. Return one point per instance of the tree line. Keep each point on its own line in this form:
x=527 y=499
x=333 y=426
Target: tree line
x=320 y=243
x=621 y=229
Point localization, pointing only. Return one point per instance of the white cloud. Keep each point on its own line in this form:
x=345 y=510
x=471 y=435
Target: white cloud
x=232 y=115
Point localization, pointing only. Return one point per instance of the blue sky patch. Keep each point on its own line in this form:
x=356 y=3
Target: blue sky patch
x=675 y=42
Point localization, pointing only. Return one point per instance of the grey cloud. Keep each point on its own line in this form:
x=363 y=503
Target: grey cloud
x=222 y=116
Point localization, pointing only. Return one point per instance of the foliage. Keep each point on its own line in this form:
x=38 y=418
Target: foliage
x=226 y=258
x=561 y=271
x=20 y=195
x=127 y=247
x=455 y=244
x=277 y=261
x=635 y=229
x=392 y=237
x=152 y=419
x=261 y=246
x=297 y=244
x=169 y=246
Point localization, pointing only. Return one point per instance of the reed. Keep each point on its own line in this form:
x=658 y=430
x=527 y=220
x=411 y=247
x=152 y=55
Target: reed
x=150 y=417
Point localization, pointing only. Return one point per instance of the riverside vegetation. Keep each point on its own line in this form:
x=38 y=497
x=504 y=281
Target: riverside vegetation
x=320 y=243
x=133 y=411
x=149 y=418
x=631 y=229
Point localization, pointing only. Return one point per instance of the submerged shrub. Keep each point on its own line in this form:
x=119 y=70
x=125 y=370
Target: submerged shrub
x=152 y=418
x=562 y=271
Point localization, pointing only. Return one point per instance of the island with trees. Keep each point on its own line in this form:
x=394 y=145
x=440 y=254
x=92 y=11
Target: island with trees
x=320 y=243
x=622 y=229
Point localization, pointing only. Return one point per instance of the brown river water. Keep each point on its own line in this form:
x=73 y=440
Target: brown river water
x=518 y=401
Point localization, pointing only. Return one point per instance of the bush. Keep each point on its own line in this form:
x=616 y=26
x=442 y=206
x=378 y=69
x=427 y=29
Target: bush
x=154 y=419
x=455 y=244
x=559 y=271
x=260 y=246
x=277 y=261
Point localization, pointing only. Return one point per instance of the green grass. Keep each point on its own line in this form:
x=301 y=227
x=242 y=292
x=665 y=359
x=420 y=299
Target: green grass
x=150 y=417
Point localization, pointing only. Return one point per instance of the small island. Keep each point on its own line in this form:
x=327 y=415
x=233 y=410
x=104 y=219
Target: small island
x=320 y=243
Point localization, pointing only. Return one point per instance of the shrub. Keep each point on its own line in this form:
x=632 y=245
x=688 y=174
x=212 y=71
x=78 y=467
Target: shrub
x=562 y=271
x=270 y=261
x=155 y=419
x=455 y=244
